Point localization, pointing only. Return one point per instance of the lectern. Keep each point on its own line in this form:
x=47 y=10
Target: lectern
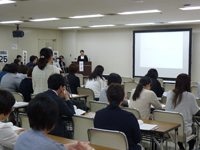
x=85 y=68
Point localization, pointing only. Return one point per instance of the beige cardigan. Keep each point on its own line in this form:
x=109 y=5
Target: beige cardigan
x=144 y=102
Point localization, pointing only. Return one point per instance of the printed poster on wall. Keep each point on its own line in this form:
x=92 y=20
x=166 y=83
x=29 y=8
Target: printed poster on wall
x=24 y=57
x=3 y=56
x=55 y=60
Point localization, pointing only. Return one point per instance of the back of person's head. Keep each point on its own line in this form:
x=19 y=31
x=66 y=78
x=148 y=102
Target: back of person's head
x=55 y=81
x=115 y=94
x=23 y=69
x=16 y=61
x=73 y=68
x=114 y=78
x=29 y=72
x=18 y=56
x=143 y=82
x=45 y=54
x=98 y=71
x=6 y=102
x=5 y=68
x=13 y=68
x=42 y=112
x=182 y=85
x=32 y=58
x=152 y=73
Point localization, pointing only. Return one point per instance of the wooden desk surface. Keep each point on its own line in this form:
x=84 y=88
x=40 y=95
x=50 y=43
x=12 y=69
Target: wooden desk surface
x=163 y=127
x=66 y=141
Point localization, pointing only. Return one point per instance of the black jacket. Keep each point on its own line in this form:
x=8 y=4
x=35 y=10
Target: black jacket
x=156 y=87
x=85 y=58
x=65 y=109
x=120 y=120
x=74 y=82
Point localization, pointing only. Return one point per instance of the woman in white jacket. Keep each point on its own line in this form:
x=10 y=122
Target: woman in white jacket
x=96 y=81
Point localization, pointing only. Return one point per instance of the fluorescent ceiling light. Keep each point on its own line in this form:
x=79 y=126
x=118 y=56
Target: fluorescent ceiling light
x=69 y=27
x=14 y=21
x=186 y=21
x=137 y=24
x=190 y=8
x=6 y=2
x=140 y=12
x=44 y=19
x=87 y=16
x=109 y=25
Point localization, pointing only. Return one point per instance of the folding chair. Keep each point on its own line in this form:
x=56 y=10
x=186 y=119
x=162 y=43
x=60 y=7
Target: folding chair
x=96 y=105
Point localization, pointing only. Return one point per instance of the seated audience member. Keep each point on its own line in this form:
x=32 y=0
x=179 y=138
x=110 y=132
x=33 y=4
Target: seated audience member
x=22 y=72
x=11 y=81
x=62 y=64
x=26 y=87
x=43 y=113
x=96 y=81
x=114 y=118
x=113 y=78
x=155 y=84
x=57 y=92
x=183 y=101
x=142 y=98
x=17 y=62
x=4 y=71
x=7 y=136
x=73 y=80
x=19 y=57
x=33 y=61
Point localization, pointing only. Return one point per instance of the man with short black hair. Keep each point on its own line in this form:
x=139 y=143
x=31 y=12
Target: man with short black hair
x=33 y=61
x=19 y=57
x=57 y=92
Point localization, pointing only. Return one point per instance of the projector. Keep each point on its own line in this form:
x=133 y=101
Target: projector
x=18 y=33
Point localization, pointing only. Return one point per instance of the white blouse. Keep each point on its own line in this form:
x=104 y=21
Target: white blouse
x=40 y=77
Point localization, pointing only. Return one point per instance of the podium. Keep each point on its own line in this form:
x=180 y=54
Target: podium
x=87 y=67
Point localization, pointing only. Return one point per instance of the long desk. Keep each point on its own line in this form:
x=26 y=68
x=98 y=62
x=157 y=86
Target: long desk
x=163 y=128
x=66 y=141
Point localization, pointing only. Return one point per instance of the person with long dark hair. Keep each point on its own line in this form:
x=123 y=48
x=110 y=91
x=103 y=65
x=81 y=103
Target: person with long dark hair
x=114 y=118
x=142 y=98
x=96 y=81
x=43 y=70
x=155 y=84
x=183 y=101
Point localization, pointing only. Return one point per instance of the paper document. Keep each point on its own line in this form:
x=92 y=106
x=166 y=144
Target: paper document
x=165 y=94
x=163 y=106
x=78 y=111
x=144 y=126
x=20 y=104
x=73 y=95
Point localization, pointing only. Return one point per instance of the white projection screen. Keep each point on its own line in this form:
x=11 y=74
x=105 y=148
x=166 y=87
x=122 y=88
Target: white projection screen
x=168 y=51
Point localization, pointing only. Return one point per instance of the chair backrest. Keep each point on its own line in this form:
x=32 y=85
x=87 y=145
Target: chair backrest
x=126 y=79
x=86 y=91
x=96 y=105
x=108 y=138
x=173 y=117
x=85 y=80
x=64 y=74
x=137 y=79
x=194 y=91
x=198 y=102
x=18 y=96
x=194 y=83
x=169 y=87
x=164 y=99
x=24 y=121
x=128 y=86
x=81 y=125
x=80 y=78
x=161 y=81
x=33 y=96
x=135 y=111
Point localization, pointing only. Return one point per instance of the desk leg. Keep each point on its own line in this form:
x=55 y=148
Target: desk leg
x=85 y=103
x=17 y=114
x=176 y=133
x=161 y=144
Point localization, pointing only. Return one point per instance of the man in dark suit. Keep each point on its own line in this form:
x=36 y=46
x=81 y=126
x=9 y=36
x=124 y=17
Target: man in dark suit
x=57 y=92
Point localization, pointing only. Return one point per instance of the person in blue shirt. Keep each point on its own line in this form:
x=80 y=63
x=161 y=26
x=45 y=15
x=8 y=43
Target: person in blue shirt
x=4 y=71
x=33 y=61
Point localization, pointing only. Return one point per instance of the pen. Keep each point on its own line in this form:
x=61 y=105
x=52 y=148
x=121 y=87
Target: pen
x=155 y=128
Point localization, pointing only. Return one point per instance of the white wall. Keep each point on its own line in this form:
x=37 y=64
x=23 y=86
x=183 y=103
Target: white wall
x=112 y=48
x=28 y=43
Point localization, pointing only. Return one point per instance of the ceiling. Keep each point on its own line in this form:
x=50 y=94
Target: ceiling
x=25 y=9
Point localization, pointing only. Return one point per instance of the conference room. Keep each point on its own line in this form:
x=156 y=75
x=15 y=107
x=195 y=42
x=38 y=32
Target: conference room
x=110 y=33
